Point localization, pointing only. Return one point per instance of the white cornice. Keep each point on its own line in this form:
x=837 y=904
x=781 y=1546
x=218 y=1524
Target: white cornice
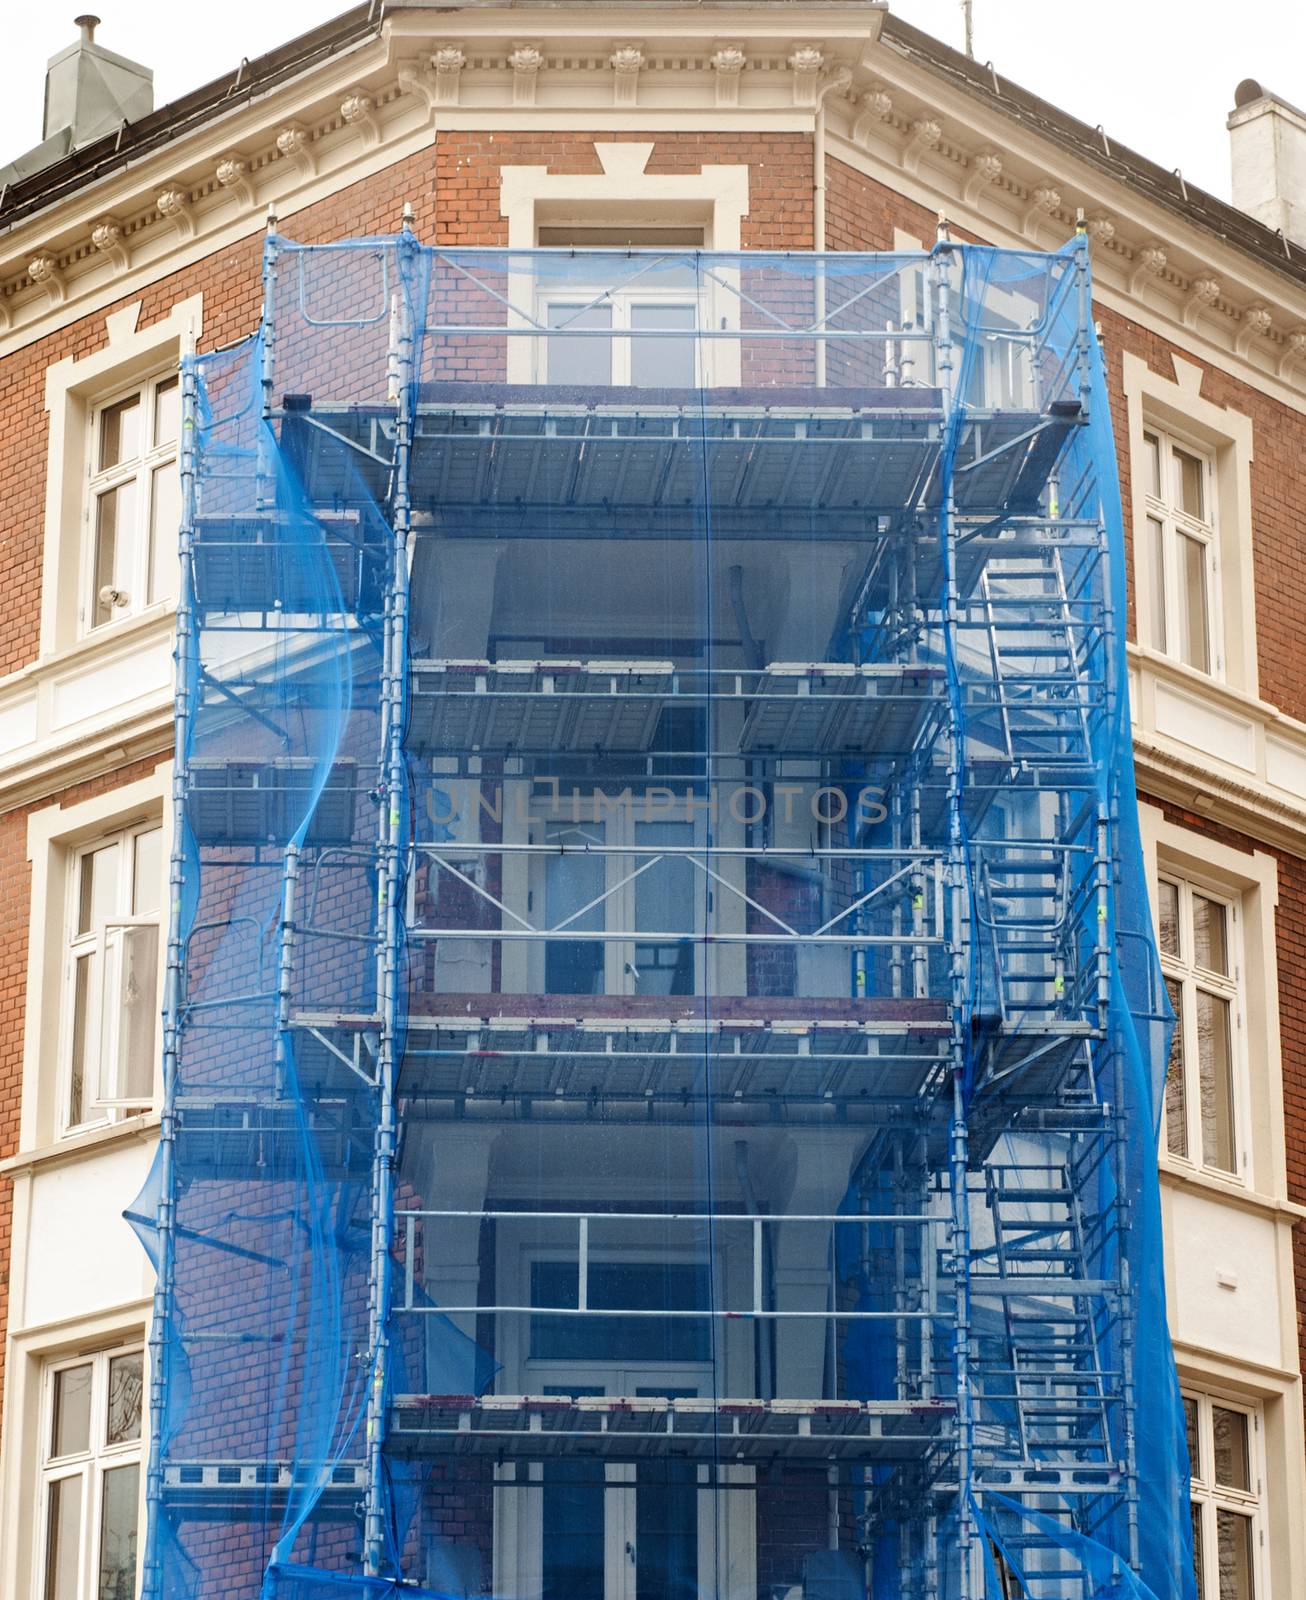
x=383 y=99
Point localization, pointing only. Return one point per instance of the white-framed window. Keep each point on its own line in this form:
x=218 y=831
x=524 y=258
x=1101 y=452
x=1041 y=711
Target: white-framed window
x=1226 y=1488
x=1199 y=936
x=1181 y=551
x=110 y=1010
x=90 y=1505
x=133 y=502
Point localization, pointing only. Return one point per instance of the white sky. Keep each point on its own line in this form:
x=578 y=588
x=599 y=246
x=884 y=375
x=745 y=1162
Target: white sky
x=1158 y=75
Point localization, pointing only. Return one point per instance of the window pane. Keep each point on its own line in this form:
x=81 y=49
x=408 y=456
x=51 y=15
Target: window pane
x=659 y=360
x=70 y=1432
x=120 y=432
x=165 y=518
x=118 y=1519
x=1232 y=1454
x=63 y=1528
x=579 y=358
x=1176 y=1099
x=138 y=1007
x=1156 y=573
x=126 y=1387
x=1233 y=1535
x=98 y=894
x=147 y=871
x=115 y=523
x=1194 y=1446
x=1167 y=916
x=1191 y=473
x=1213 y=1055
x=1210 y=934
x=1194 y=626
x=1199 y=1566
x=665 y=897
x=82 y=975
x=167 y=411
x=1152 y=464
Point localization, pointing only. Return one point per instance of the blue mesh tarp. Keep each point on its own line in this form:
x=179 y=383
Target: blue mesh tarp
x=664 y=1044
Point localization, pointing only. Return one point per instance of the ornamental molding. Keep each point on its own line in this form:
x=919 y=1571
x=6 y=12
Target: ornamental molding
x=727 y=62
x=301 y=142
x=626 y=61
x=232 y=174
x=295 y=144
x=985 y=171
x=525 y=60
x=107 y=238
x=358 y=111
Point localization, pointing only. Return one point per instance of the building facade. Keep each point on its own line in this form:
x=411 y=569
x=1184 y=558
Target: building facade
x=816 y=128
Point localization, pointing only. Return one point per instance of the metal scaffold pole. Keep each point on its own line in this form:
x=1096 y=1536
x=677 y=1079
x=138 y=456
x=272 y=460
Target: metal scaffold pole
x=391 y=847
x=958 y=1134
x=164 y=1284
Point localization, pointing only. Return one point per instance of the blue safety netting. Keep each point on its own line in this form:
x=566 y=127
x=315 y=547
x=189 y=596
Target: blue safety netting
x=664 y=1041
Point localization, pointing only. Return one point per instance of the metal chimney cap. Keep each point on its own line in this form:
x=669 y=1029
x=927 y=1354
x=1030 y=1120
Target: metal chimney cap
x=87 y=24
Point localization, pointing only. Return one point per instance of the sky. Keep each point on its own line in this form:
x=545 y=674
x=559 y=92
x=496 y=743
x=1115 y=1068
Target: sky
x=1158 y=75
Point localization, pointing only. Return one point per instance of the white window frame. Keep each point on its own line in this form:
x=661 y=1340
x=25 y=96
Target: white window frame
x=1213 y=1497
x=1183 y=970
x=1176 y=526
x=90 y=1465
x=98 y=945
x=150 y=545
x=623 y=302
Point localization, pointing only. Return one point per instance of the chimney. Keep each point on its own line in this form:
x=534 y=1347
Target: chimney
x=89 y=91
x=1267 y=147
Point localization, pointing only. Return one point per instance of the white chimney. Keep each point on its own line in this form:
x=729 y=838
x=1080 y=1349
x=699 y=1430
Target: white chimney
x=1267 y=146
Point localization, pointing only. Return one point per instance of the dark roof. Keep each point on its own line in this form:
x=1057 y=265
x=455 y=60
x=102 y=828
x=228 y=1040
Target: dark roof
x=1098 y=149
x=66 y=176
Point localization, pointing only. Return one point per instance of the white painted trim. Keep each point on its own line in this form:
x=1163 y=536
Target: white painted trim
x=51 y=833
x=72 y=388
x=717 y=196
x=26 y=1354
x=1177 y=407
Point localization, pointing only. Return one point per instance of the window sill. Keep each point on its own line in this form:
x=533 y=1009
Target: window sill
x=142 y=1128
x=109 y=634
x=1228 y=1191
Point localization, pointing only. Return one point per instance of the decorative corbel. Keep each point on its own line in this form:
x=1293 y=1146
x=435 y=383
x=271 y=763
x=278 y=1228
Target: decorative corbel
x=295 y=144
x=106 y=236
x=728 y=62
x=1044 y=199
x=805 y=62
x=232 y=175
x=525 y=61
x=417 y=79
x=357 y=110
x=1152 y=259
x=43 y=270
x=1202 y=294
x=6 y=321
x=626 y=61
x=447 y=64
x=1100 y=230
x=985 y=171
x=1294 y=351
x=1256 y=324
x=924 y=134
x=877 y=107
x=173 y=201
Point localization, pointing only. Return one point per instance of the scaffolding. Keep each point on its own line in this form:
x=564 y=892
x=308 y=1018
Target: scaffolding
x=663 y=1038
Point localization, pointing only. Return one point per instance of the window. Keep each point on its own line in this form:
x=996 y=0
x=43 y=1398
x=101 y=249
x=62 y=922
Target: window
x=91 y=1476
x=1197 y=934
x=110 y=1013
x=1180 y=551
x=134 y=503
x=1223 y=1450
